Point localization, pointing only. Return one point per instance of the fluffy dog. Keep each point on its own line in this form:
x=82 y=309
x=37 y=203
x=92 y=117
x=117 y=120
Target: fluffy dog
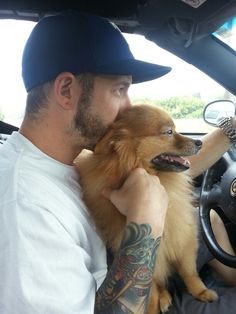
x=145 y=136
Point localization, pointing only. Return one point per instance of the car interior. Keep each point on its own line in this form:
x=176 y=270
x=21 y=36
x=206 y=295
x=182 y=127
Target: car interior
x=187 y=29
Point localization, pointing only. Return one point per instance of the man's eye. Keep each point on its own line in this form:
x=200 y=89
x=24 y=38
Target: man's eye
x=120 y=90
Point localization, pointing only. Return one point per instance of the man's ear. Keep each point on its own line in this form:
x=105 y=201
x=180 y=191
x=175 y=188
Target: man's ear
x=64 y=89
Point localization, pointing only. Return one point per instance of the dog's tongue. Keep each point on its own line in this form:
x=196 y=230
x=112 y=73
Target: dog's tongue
x=181 y=160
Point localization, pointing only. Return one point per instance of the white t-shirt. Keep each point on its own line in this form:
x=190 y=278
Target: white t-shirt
x=51 y=259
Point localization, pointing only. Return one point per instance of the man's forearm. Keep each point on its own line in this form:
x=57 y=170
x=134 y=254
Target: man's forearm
x=215 y=144
x=126 y=288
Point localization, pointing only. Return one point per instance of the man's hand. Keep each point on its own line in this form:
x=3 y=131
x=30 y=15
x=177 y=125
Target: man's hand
x=234 y=122
x=142 y=199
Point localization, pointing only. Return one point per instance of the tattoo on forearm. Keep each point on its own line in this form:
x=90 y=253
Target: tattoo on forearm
x=127 y=286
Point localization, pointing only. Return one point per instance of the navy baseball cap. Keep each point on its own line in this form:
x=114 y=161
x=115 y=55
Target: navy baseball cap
x=80 y=43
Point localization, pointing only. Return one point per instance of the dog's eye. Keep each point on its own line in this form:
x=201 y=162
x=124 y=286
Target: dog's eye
x=168 y=132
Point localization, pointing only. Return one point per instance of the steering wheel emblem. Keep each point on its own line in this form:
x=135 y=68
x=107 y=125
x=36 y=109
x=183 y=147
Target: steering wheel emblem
x=233 y=188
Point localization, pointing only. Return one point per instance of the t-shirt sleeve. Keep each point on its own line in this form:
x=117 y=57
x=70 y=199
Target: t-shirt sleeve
x=44 y=270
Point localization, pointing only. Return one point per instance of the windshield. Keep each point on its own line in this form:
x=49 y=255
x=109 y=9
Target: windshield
x=183 y=92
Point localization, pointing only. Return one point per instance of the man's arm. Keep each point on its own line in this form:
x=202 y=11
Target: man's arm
x=127 y=286
x=215 y=144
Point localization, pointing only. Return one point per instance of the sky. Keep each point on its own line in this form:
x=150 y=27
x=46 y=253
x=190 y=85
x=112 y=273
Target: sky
x=13 y=35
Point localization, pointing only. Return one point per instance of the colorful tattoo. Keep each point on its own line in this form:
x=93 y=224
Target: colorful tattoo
x=127 y=286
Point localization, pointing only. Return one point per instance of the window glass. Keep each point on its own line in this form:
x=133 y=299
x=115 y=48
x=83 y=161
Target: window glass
x=183 y=92
x=13 y=35
x=227 y=33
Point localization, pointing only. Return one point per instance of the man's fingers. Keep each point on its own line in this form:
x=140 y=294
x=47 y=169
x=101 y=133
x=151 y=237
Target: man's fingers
x=115 y=196
x=107 y=192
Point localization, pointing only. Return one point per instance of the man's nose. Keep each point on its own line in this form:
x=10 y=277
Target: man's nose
x=127 y=104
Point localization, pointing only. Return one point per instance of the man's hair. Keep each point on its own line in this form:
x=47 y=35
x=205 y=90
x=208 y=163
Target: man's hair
x=86 y=81
x=37 y=98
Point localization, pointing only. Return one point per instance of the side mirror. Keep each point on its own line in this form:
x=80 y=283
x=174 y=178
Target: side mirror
x=217 y=110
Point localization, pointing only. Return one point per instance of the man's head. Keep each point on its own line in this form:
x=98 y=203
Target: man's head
x=77 y=69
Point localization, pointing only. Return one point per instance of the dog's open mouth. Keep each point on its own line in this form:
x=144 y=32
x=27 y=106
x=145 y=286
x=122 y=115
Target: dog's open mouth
x=168 y=162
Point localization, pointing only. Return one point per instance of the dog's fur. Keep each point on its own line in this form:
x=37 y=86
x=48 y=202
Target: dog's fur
x=134 y=140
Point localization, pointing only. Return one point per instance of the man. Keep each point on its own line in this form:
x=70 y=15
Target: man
x=77 y=69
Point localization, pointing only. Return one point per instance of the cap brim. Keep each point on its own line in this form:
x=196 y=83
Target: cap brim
x=140 y=71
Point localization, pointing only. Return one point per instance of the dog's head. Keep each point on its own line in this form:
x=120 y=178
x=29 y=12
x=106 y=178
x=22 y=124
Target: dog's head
x=145 y=136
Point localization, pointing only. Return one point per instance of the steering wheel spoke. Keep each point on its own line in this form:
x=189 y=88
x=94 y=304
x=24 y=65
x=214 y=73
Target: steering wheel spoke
x=218 y=191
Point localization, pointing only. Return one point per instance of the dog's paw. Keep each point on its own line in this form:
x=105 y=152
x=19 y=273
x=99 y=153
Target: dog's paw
x=165 y=301
x=207 y=295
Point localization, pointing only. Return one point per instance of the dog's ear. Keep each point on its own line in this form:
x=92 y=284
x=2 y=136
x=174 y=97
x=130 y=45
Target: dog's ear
x=110 y=141
x=119 y=143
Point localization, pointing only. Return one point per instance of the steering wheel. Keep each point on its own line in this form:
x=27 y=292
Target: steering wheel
x=219 y=192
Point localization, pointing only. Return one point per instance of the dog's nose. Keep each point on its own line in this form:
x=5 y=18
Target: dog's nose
x=198 y=143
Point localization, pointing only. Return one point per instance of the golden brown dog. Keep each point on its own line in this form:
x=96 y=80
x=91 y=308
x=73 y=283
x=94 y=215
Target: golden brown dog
x=145 y=136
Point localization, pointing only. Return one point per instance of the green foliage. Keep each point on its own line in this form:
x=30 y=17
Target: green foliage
x=178 y=107
x=1 y=116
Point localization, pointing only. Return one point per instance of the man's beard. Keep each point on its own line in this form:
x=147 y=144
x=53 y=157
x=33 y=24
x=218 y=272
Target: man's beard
x=90 y=127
